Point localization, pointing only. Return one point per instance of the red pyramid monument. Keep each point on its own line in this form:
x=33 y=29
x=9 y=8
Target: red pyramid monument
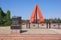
x=33 y=18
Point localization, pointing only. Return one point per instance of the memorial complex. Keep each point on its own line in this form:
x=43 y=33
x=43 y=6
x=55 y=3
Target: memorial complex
x=36 y=28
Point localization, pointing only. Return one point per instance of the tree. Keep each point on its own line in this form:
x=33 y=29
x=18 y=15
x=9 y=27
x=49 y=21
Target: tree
x=55 y=20
x=4 y=18
x=8 y=15
x=2 y=22
x=46 y=20
x=7 y=22
x=1 y=12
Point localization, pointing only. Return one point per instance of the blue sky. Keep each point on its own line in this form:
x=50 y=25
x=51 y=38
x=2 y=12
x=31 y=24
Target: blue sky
x=24 y=8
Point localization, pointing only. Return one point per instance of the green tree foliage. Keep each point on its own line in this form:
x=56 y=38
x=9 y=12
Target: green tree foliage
x=1 y=21
x=7 y=22
x=2 y=14
x=8 y=15
x=4 y=18
x=46 y=20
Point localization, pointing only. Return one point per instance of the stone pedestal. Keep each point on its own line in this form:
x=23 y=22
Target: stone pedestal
x=15 y=27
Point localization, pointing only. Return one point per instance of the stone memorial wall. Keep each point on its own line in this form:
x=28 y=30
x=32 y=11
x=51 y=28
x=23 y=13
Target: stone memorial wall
x=34 y=26
x=54 y=26
x=42 y=26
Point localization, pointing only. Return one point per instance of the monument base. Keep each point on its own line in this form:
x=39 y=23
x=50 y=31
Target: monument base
x=15 y=27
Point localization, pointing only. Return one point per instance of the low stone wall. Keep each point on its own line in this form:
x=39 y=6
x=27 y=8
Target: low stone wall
x=54 y=26
x=34 y=26
x=42 y=26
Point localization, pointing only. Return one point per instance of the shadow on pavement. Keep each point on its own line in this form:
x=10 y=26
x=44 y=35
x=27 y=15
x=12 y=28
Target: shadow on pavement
x=22 y=31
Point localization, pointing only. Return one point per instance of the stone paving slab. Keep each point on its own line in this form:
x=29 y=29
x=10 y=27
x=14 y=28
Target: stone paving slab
x=7 y=30
x=42 y=31
x=29 y=37
x=30 y=34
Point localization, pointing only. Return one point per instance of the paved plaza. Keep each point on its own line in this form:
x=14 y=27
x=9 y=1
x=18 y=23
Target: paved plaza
x=41 y=31
x=7 y=30
x=30 y=34
x=30 y=37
